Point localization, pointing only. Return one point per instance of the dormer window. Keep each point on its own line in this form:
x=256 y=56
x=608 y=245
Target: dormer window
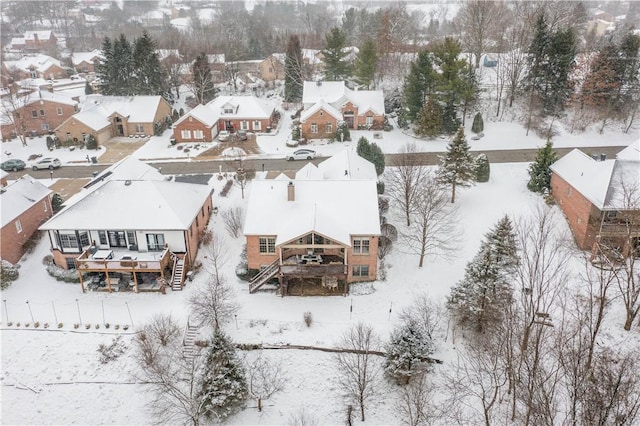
x=228 y=110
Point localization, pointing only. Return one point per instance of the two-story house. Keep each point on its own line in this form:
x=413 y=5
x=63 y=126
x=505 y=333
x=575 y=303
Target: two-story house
x=326 y=103
x=106 y=117
x=25 y=205
x=203 y=122
x=85 y=62
x=36 y=113
x=35 y=41
x=142 y=232
x=318 y=232
x=600 y=198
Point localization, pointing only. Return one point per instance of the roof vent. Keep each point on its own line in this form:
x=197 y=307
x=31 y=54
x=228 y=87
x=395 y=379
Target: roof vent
x=127 y=183
x=603 y=157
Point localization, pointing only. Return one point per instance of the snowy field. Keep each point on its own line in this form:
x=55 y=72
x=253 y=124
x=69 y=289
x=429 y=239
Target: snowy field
x=54 y=376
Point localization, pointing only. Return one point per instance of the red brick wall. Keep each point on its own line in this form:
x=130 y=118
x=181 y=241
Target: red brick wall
x=193 y=234
x=360 y=259
x=235 y=123
x=321 y=118
x=579 y=211
x=50 y=117
x=255 y=259
x=192 y=124
x=12 y=240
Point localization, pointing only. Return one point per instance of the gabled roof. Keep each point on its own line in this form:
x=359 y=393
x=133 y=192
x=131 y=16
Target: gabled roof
x=245 y=107
x=133 y=204
x=129 y=168
x=320 y=105
x=46 y=96
x=42 y=35
x=337 y=94
x=38 y=62
x=347 y=164
x=336 y=209
x=308 y=172
x=330 y=91
x=139 y=109
x=79 y=57
x=201 y=113
x=20 y=196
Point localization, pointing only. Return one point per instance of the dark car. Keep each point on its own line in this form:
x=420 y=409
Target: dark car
x=241 y=135
x=13 y=165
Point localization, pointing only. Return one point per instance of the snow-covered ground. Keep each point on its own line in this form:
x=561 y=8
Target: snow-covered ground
x=54 y=375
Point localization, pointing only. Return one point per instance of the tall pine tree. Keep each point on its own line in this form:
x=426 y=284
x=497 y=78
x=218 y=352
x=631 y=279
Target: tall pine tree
x=457 y=167
x=365 y=66
x=418 y=84
x=539 y=170
x=372 y=153
x=293 y=70
x=429 y=122
x=149 y=77
x=407 y=352
x=336 y=67
x=479 y=299
x=224 y=386
x=202 y=83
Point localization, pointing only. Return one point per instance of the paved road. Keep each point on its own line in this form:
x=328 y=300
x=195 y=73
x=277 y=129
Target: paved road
x=268 y=164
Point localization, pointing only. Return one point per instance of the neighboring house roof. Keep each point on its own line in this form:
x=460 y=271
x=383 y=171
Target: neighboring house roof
x=330 y=91
x=320 y=105
x=243 y=107
x=3 y=174
x=129 y=168
x=600 y=182
x=38 y=62
x=216 y=58
x=20 y=196
x=46 y=96
x=42 y=35
x=335 y=209
x=140 y=205
x=165 y=53
x=347 y=164
x=79 y=57
x=97 y=109
x=202 y=113
x=337 y=94
x=17 y=41
x=308 y=172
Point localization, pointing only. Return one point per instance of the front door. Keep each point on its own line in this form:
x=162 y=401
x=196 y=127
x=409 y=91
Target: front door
x=348 y=118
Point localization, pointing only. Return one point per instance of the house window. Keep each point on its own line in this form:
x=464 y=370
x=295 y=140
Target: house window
x=84 y=239
x=369 y=121
x=328 y=128
x=102 y=235
x=244 y=125
x=33 y=74
x=267 y=245
x=71 y=262
x=41 y=113
x=314 y=127
x=68 y=136
x=155 y=242
x=198 y=134
x=59 y=111
x=117 y=239
x=68 y=241
x=361 y=246
x=569 y=191
x=228 y=110
x=360 y=270
x=44 y=205
x=131 y=237
x=44 y=126
x=139 y=128
x=186 y=134
x=34 y=113
x=18 y=226
x=610 y=215
x=257 y=125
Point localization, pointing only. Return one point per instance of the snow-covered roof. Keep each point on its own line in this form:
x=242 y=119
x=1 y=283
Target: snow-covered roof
x=311 y=56
x=97 y=108
x=320 y=105
x=338 y=94
x=368 y=100
x=165 y=53
x=42 y=35
x=38 y=62
x=3 y=174
x=336 y=209
x=17 y=41
x=347 y=164
x=79 y=57
x=129 y=168
x=216 y=58
x=42 y=95
x=308 y=172
x=202 y=113
x=330 y=91
x=20 y=196
x=138 y=204
x=244 y=107
x=632 y=152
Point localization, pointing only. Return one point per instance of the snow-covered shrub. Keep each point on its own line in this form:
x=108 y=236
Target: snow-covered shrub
x=408 y=351
x=342 y=132
x=65 y=275
x=478 y=123
x=308 y=318
x=113 y=351
x=8 y=274
x=483 y=169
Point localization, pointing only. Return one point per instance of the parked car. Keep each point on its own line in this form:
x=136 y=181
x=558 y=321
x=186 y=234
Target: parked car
x=47 y=163
x=241 y=135
x=13 y=165
x=224 y=135
x=301 y=154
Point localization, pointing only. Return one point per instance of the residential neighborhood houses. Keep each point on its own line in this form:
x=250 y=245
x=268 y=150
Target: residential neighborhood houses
x=319 y=212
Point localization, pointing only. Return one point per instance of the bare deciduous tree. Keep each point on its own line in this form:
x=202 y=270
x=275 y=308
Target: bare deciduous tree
x=265 y=378
x=403 y=180
x=13 y=111
x=233 y=220
x=476 y=20
x=426 y=313
x=433 y=229
x=415 y=403
x=357 y=368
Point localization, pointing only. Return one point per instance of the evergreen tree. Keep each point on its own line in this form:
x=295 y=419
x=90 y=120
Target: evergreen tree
x=224 y=385
x=429 y=122
x=57 y=203
x=483 y=168
x=478 y=123
x=105 y=71
x=418 y=84
x=202 y=81
x=336 y=67
x=88 y=90
x=539 y=170
x=407 y=352
x=457 y=167
x=365 y=66
x=149 y=77
x=293 y=71
x=372 y=153
x=479 y=299
x=123 y=63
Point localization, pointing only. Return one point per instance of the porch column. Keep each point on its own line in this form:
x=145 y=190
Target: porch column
x=81 y=282
x=135 y=280
x=106 y=275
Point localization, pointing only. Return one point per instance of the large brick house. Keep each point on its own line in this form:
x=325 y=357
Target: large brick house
x=85 y=62
x=106 y=117
x=25 y=204
x=33 y=66
x=35 y=41
x=203 y=123
x=600 y=198
x=326 y=103
x=154 y=240
x=36 y=113
x=319 y=230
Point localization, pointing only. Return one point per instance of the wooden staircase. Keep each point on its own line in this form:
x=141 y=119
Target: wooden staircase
x=263 y=276
x=177 y=279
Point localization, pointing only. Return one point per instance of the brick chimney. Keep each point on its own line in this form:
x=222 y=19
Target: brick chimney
x=291 y=192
